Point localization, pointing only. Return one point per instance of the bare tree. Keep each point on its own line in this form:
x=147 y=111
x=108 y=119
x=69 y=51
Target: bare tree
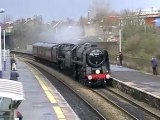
x=7 y=18
x=137 y=34
x=100 y=9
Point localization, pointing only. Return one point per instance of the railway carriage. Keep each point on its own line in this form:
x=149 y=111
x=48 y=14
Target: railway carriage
x=43 y=51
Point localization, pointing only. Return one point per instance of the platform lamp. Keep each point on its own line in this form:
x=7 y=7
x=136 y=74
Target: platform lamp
x=120 y=40
x=1 y=11
x=4 y=49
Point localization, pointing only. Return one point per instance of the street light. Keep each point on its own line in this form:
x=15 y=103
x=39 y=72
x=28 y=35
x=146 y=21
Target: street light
x=120 y=40
x=1 y=11
x=4 y=49
x=89 y=17
x=55 y=26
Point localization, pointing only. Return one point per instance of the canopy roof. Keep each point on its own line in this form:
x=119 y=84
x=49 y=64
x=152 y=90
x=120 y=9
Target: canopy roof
x=11 y=89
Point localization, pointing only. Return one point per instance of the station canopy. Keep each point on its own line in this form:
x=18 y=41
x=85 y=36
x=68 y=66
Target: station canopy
x=11 y=89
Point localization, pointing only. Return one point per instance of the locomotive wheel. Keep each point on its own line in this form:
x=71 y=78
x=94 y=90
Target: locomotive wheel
x=61 y=66
x=75 y=75
x=80 y=78
x=83 y=81
x=36 y=59
x=104 y=84
x=89 y=83
x=75 y=71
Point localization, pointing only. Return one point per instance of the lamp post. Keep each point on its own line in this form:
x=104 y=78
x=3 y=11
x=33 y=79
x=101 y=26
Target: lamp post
x=4 y=50
x=0 y=55
x=55 y=26
x=1 y=11
x=120 y=40
x=88 y=17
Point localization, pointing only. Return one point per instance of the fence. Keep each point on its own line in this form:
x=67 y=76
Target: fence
x=7 y=52
x=135 y=63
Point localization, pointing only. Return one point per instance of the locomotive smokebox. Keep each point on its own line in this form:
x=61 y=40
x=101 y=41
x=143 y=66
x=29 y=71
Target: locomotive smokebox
x=95 y=57
x=91 y=54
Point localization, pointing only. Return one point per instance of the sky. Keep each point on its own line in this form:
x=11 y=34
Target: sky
x=62 y=9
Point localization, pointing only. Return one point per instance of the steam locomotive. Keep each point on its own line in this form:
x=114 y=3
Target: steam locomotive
x=88 y=63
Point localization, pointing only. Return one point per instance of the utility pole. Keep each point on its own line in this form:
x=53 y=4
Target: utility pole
x=0 y=55
x=120 y=40
x=88 y=16
x=1 y=11
x=4 y=50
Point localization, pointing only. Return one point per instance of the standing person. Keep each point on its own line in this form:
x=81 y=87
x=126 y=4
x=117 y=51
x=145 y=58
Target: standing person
x=12 y=60
x=107 y=63
x=117 y=59
x=19 y=115
x=154 y=64
x=14 y=74
x=120 y=58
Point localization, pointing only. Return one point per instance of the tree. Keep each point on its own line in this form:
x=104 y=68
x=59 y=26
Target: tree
x=100 y=9
x=139 y=39
x=7 y=18
x=27 y=32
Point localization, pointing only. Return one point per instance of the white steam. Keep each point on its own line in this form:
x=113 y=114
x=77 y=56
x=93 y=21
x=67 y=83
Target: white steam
x=68 y=34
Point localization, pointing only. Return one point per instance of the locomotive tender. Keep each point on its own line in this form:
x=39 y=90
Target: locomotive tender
x=88 y=63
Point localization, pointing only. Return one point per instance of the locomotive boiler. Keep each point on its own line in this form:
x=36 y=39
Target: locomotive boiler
x=88 y=63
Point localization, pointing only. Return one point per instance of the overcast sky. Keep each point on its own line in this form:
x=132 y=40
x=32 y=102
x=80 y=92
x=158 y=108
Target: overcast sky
x=62 y=9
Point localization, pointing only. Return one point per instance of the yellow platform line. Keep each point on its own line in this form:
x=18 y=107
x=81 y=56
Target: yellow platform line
x=47 y=92
x=41 y=83
x=59 y=113
x=50 y=97
x=57 y=109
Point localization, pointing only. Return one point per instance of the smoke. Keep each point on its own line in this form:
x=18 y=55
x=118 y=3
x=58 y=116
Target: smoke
x=68 y=34
x=61 y=34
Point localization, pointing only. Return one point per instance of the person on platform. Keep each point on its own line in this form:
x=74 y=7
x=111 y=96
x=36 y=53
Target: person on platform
x=154 y=64
x=19 y=115
x=117 y=59
x=120 y=58
x=12 y=61
x=14 y=74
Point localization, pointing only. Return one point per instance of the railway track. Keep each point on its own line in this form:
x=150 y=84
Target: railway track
x=128 y=109
x=84 y=110
x=88 y=107
x=114 y=104
x=151 y=111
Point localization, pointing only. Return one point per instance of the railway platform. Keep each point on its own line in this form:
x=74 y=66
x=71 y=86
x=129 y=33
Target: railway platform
x=145 y=81
x=142 y=86
x=42 y=100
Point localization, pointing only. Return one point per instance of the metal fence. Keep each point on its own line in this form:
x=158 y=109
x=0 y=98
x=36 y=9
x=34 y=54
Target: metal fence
x=7 y=52
x=135 y=63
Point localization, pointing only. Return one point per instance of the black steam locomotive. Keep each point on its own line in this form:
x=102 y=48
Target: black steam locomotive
x=88 y=63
